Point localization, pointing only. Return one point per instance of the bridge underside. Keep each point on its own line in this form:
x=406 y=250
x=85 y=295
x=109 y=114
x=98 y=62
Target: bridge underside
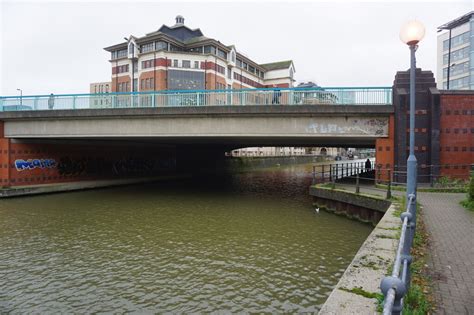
x=223 y=143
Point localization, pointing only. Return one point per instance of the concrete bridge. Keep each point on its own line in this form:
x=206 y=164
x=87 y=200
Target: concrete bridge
x=227 y=127
x=67 y=138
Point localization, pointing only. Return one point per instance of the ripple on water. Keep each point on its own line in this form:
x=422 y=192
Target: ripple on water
x=250 y=243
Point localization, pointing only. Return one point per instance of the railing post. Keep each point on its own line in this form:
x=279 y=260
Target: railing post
x=337 y=167
x=74 y=102
x=322 y=173
x=431 y=176
x=330 y=172
x=314 y=175
x=389 y=186
x=379 y=167
x=357 y=184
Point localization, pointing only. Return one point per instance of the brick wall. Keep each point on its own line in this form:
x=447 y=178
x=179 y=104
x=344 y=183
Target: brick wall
x=456 y=133
x=32 y=163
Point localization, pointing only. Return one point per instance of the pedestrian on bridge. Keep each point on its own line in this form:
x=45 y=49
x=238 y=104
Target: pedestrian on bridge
x=51 y=101
x=276 y=95
x=368 y=165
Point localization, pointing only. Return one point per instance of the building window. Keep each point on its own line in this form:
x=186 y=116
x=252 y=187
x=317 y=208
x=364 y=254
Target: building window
x=456 y=69
x=130 y=48
x=456 y=41
x=221 y=54
x=239 y=63
x=196 y=64
x=161 y=45
x=147 y=64
x=196 y=49
x=174 y=48
x=233 y=56
x=148 y=47
x=457 y=55
x=119 y=54
x=210 y=50
x=186 y=64
x=229 y=72
x=175 y=63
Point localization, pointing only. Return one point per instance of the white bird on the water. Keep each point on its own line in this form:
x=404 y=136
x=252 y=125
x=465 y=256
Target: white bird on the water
x=316 y=210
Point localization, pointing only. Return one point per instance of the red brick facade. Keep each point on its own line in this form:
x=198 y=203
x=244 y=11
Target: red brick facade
x=456 y=133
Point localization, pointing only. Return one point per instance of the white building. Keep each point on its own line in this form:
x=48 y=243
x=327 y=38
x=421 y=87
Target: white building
x=461 y=58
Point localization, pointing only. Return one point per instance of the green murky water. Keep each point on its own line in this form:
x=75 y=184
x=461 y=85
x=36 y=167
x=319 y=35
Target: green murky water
x=246 y=242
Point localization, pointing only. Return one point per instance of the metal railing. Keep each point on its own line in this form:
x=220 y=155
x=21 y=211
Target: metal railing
x=185 y=98
x=334 y=171
x=395 y=287
x=431 y=174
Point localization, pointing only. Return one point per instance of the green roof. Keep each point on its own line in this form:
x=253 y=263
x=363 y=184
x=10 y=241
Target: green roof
x=277 y=65
x=196 y=40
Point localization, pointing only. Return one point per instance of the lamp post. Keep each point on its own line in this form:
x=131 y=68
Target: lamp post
x=133 y=57
x=441 y=28
x=21 y=96
x=411 y=34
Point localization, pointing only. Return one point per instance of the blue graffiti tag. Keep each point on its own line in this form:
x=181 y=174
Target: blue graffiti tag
x=31 y=164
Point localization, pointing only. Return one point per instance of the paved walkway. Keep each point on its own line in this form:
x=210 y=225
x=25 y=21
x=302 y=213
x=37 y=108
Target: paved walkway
x=451 y=229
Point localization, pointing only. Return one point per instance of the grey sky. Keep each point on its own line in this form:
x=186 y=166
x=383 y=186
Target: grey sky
x=57 y=47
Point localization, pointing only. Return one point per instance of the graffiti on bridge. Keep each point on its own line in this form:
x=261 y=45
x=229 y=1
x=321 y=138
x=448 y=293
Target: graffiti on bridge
x=31 y=164
x=92 y=166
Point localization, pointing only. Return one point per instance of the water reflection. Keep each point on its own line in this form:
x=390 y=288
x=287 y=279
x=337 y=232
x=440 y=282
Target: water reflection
x=247 y=242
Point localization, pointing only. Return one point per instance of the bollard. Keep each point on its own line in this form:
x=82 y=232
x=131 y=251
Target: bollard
x=357 y=184
x=389 y=186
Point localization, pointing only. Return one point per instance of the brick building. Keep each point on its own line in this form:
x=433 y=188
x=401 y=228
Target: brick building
x=444 y=130
x=178 y=58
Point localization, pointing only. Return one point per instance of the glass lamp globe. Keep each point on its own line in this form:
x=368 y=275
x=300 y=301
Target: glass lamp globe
x=412 y=32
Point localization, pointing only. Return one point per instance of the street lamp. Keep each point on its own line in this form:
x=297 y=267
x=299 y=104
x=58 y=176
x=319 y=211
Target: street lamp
x=21 y=96
x=441 y=28
x=411 y=34
x=133 y=62
x=394 y=287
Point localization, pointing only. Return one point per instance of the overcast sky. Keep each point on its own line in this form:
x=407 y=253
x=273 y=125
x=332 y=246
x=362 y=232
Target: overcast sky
x=57 y=47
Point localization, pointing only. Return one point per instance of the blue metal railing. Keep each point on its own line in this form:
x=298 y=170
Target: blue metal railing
x=396 y=286
x=178 y=98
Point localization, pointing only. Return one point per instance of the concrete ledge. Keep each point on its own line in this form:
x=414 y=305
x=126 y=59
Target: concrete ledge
x=364 y=274
x=253 y=110
x=82 y=185
x=358 y=206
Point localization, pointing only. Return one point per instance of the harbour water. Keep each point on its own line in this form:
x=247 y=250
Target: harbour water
x=240 y=242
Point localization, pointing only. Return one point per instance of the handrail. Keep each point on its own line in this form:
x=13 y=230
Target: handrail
x=395 y=287
x=319 y=89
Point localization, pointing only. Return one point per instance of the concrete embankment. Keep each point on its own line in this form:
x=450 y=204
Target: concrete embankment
x=358 y=289
x=365 y=208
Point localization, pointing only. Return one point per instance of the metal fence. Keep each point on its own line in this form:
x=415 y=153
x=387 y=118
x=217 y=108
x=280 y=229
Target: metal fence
x=273 y=96
x=395 y=287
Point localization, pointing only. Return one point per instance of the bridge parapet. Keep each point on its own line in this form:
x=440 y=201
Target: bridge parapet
x=192 y=98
